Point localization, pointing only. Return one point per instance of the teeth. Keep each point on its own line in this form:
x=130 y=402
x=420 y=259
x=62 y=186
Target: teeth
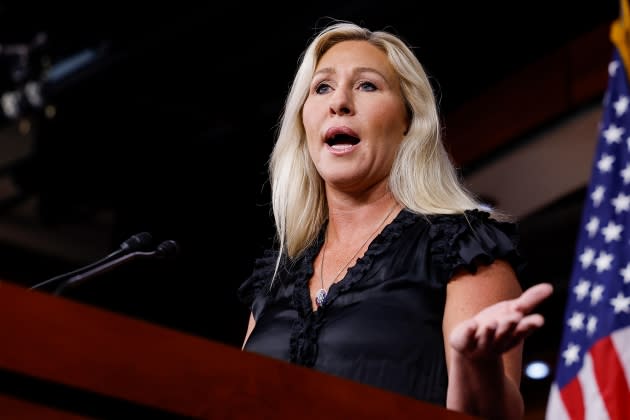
x=342 y=147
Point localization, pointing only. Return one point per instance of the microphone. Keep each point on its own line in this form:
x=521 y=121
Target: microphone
x=138 y=242
x=165 y=250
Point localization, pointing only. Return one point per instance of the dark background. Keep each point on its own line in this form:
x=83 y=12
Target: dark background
x=169 y=129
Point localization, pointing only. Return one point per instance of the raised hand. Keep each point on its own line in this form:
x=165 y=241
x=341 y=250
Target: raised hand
x=499 y=327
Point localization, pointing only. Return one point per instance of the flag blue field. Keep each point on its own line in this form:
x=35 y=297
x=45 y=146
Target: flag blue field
x=593 y=369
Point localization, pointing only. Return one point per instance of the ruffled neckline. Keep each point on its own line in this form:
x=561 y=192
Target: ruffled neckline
x=379 y=244
x=303 y=346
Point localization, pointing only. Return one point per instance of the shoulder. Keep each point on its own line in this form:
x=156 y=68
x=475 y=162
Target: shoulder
x=260 y=277
x=470 y=239
x=471 y=224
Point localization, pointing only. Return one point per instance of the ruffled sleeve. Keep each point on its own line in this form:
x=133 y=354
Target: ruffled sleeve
x=257 y=284
x=469 y=240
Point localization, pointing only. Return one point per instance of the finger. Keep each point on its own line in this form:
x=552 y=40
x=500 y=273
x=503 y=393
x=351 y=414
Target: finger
x=529 y=324
x=516 y=338
x=463 y=336
x=532 y=297
x=511 y=342
x=485 y=335
x=507 y=325
x=511 y=332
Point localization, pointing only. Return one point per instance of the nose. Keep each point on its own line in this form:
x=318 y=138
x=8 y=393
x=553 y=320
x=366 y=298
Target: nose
x=341 y=102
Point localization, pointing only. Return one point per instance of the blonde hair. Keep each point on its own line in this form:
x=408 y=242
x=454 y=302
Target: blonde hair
x=423 y=178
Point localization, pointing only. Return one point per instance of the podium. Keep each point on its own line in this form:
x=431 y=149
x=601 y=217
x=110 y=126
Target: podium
x=63 y=359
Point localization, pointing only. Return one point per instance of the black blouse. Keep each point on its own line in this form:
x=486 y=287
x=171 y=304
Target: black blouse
x=381 y=324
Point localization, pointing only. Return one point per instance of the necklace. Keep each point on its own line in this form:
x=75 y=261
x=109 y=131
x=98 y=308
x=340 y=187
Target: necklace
x=320 y=297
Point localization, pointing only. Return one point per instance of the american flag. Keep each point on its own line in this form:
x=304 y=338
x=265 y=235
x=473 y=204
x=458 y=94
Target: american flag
x=593 y=371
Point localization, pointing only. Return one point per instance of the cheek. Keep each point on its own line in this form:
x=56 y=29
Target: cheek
x=312 y=125
x=391 y=117
x=393 y=127
x=308 y=119
x=392 y=133
x=310 y=133
x=399 y=119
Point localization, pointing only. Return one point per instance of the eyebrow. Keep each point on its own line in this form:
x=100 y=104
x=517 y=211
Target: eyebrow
x=356 y=70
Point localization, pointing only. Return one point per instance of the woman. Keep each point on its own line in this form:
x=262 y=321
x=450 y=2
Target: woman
x=388 y=272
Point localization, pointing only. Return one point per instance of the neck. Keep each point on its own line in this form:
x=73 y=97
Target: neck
x=350 y=225
x=342 y=259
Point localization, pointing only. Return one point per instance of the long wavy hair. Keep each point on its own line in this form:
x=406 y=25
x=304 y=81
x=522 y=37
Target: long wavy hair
x=423 y=178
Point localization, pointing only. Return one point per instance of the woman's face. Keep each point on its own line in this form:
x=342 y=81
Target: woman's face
x=354 y=116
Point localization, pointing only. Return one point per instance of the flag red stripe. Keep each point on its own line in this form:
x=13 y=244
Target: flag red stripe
x=610 y=377
x=572 y=399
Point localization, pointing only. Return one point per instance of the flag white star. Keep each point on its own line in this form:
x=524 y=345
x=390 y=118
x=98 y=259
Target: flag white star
x=603 y=261
x=571 y=354
x=612 y=232
x=587 y=257
x=576 y=322
x=613 y=134
x=612 y=67
x=597 y=292
x=621 y=202
x=581 y=289
x=598 y=195
x=591 y=324
x=605 y=163
x=621 y=105
x=620 y=303
x=600 y=283
x=592 y=226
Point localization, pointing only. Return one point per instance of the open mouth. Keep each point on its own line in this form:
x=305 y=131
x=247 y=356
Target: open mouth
x=342 y=140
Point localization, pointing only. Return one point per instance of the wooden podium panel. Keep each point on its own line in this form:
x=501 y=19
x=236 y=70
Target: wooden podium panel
x=82 y=361
x=14 y=408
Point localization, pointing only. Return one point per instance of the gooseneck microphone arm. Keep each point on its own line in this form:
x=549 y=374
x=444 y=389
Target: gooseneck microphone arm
x=137 y=242
x=166 y=249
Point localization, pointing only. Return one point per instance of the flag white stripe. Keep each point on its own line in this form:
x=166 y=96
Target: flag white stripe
x=555 y=406
x=594 y=407
x=621 y=343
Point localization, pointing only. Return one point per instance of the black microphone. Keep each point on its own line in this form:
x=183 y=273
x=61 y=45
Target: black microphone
x=165 y=250
x=138 y=242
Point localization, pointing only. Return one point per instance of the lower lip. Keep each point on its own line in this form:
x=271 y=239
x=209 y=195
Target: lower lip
x=341 y=150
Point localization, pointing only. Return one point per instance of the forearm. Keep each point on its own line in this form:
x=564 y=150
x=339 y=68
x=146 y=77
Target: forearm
x=481 y=388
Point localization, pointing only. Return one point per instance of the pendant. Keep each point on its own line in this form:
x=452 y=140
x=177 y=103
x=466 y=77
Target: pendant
x=320 y=297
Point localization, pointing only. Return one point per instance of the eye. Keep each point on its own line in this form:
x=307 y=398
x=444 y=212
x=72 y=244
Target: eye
x=322 y=88
x=367 y=86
